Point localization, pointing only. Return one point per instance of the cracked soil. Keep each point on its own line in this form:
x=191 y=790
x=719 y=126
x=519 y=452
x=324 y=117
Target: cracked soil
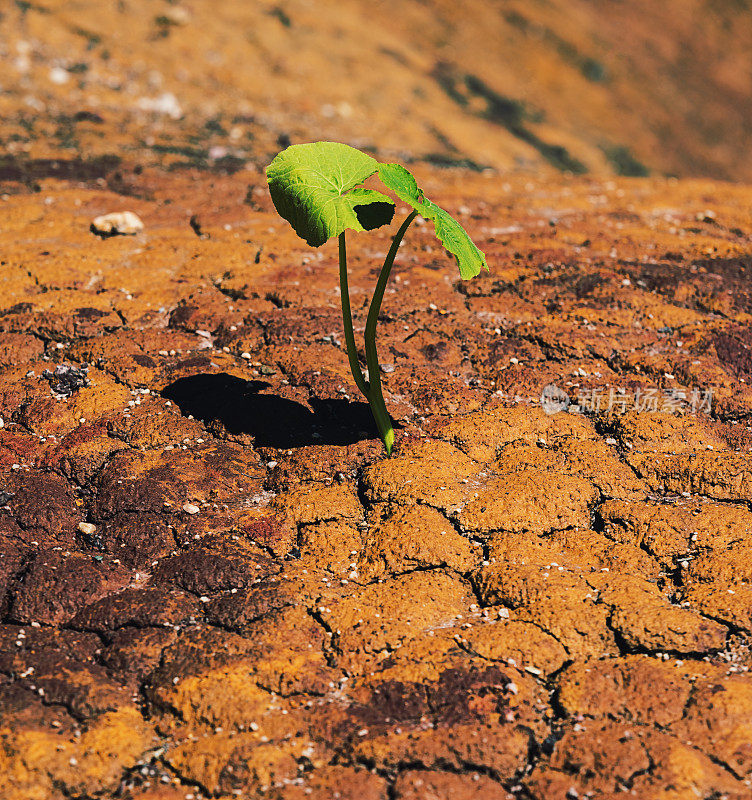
x=214 y=584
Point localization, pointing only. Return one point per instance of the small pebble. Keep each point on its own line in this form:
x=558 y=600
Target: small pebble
x=87 y=528
x=176 y=15
x=59 y=76
x=119 y=222
x=189 y=508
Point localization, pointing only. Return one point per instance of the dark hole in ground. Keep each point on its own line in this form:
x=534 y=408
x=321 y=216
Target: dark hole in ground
x=273 y=421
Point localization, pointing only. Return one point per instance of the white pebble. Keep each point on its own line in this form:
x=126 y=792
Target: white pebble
x=87 y=528
x=165 y=103
x=189 y=508
x=59 y=76
x=122 y=222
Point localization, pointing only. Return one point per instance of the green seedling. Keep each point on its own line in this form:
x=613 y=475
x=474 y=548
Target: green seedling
x=317 y=189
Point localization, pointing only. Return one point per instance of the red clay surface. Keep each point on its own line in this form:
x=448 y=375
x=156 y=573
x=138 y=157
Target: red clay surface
x=516 y=604
x=213 y=583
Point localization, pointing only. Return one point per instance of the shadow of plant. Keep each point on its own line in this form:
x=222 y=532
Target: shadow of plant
x=241 y=408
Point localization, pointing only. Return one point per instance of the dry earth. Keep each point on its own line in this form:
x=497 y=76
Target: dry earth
x=212 y=581
x=214 y=584
x=580 y=85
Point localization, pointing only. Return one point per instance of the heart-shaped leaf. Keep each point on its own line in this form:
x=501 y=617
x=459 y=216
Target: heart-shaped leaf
x=313 y=187
x=452 y=235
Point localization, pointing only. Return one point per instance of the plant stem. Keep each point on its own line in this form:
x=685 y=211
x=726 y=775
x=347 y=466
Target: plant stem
x=375 y=395
x=352 y=352
x=371 y=388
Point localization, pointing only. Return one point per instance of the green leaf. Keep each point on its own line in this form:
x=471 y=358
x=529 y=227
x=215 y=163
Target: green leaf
x=313 y=188
x=452 y=235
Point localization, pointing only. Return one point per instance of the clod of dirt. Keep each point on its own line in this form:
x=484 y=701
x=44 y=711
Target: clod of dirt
x=67 y=379
x=418 y=537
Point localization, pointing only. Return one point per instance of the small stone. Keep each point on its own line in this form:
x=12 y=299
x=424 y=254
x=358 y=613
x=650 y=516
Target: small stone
x=59 y=76
x=87 y=528
x=165 y=103
x=189 y=508
x=176 y=15
x=119 y=222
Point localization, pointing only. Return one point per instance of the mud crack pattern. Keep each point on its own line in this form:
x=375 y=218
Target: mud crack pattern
x=214 y=584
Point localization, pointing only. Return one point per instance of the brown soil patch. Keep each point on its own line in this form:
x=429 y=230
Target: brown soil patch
x=213 y=582
x=572 y=85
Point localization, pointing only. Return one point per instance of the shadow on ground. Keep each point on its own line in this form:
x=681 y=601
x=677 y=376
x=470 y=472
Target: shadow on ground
x=273 y=421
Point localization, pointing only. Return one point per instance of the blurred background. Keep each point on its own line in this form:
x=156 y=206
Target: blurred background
x=628 y=87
